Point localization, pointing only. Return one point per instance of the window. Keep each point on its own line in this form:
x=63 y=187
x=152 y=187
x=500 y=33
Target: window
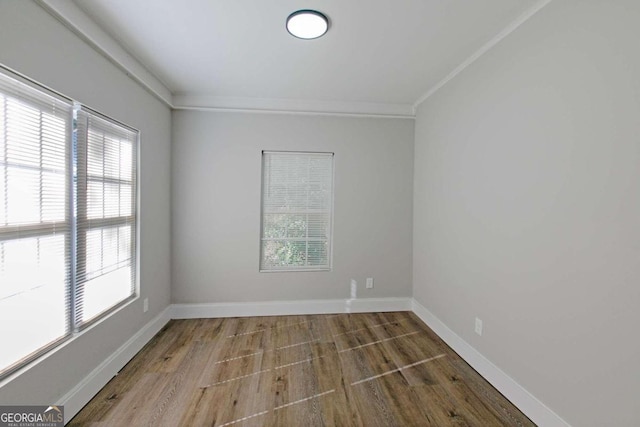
x=105 y=225
x=297 y=199
x=67 y=219
x=35 y=226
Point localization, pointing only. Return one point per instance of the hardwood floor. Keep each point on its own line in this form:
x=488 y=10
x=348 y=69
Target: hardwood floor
x=372 y=369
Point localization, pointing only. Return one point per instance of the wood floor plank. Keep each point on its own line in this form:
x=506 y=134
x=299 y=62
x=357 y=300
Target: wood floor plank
x=135 y=408
x=364 y=369
x=496 y=402
x=438 y=409
x=292 y=336
x=464 y=403
x=348 y=322
x=412 y=349
x=176 y=394
x=130 y=375
x=210 y=330
x=171 y=358
x=338 y=410
x=365 y=363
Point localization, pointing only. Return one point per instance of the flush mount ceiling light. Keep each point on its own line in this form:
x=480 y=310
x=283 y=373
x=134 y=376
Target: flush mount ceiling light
x=307 y=24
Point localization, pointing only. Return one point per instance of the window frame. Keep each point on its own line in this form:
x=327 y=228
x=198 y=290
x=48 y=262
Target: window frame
x=292 y=268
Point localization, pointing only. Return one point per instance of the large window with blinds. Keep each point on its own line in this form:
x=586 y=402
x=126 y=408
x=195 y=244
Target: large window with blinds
x=297 y=211
x=67 y=218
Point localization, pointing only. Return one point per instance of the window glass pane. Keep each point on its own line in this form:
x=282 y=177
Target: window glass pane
x=23 y=195
x=54 y=196
x=111 y=200
x=33 y=295
x=95 y=163
x=54 y=129
x=108 y=269
x=105 y=291
x=109 y=248
x=111 y=157
x=94 y=246
x=95 y=199
x=126 y=160
x=274 y=225
x=124 y=244
x=126 y=205
x=317 y=252
x=284 y=253
x=318 y=226
x=23 y=133
x=297 y=226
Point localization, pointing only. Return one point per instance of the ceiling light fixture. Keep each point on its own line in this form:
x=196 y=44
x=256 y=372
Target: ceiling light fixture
x=307 y=24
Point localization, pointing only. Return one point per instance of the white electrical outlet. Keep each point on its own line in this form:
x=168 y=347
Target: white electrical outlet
x=145 y=305
x=478 y=326
x=369 y=282
x=354 y=289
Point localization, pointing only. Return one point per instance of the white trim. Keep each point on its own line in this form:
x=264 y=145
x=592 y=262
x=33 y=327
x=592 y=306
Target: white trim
x=484 y=49
x=294 y=113
x=291 y=106
x=284 y=308
x=86 y=389
x=84 y=27
x=518 y=395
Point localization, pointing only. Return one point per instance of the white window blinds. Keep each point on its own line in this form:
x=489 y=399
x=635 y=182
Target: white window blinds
x=35 y=244
x=67 y=218
x=106 y=218
x=297 y=198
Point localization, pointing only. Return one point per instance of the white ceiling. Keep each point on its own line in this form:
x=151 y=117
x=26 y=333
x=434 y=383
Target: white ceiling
x=376 y=51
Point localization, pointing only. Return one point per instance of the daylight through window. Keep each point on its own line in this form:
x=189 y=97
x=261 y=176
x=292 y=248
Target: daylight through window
x=297 y=199
x=67 y=218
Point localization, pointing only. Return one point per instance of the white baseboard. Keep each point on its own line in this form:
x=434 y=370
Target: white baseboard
x=518 y=395
x=285 y=308
x=84 y=391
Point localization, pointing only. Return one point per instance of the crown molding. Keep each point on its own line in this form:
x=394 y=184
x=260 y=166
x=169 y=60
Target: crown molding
x=484 y=49
x=291 y=106
x=74 y=18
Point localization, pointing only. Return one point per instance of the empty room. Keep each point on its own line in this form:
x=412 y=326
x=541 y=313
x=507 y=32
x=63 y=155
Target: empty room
x=319 y=213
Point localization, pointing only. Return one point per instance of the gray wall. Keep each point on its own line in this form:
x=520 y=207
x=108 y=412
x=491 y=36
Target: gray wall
x=37 y=45
x=216 y=162
x=527 y=208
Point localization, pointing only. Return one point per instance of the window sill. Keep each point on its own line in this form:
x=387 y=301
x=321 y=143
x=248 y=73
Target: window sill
x=298 y=270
